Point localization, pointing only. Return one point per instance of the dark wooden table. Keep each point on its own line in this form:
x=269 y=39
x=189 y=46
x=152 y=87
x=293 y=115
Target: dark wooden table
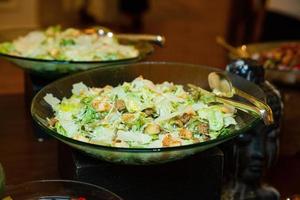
x=23 y=157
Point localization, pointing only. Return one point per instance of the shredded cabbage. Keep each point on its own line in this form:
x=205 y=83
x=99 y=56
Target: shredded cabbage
x=140 y=114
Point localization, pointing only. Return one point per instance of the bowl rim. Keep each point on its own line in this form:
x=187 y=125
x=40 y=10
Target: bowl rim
x=53 y=133
x=41 y=181
x=71 y=61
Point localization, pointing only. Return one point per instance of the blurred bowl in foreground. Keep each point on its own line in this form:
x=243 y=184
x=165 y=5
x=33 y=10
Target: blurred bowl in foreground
x=58 y=189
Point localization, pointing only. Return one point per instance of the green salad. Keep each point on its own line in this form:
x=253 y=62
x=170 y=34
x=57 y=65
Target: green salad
x=140 y=114
x=68 y=45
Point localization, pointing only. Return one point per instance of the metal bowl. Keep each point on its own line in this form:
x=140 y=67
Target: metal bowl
x=287 y=77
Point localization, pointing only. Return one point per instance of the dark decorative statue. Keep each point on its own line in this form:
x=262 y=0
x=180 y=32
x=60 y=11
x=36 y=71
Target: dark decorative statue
x=256 y=149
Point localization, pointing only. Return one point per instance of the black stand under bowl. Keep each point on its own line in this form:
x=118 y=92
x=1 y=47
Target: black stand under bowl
x=196 y=177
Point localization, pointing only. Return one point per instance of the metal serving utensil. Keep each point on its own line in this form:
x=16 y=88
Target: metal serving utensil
x=240 y=52
x=238 y=105
x=156 y=39
x=222 y=87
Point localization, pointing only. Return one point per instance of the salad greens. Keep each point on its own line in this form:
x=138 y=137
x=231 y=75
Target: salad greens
x=70 y=44
x=140 y=114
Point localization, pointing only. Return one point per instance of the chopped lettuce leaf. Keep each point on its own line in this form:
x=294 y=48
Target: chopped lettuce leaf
x=215 y=120
x=79 y=88
x=51 y=100
x=138 y=138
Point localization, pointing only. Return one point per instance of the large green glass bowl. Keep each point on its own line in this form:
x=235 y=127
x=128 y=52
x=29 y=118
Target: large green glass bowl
x=58 y=68
x=157 y=72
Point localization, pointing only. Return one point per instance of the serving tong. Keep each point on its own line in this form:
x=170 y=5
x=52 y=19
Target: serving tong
x=240 y=52
x=222 y=86
x=223 y=90
x=105 y=32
